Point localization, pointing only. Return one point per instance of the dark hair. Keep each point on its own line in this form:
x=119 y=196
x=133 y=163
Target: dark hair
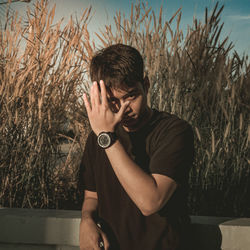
x=119 y=66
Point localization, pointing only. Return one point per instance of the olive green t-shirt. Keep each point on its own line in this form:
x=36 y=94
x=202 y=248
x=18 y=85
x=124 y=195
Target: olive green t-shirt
x=163 y=146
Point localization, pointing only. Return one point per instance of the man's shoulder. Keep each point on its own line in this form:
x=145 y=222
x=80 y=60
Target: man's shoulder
x=165 y=121
x=166 y=126
x=92 y=135
x=167 y=129
x=91 y=140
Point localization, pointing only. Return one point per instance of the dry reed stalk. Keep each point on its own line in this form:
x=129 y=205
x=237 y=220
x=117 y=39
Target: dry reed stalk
x=42 y=74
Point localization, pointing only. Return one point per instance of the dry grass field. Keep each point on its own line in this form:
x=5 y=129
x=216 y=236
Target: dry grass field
x=196 y=75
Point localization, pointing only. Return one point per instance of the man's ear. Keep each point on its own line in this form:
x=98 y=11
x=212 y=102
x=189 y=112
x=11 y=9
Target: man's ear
x=146 y=84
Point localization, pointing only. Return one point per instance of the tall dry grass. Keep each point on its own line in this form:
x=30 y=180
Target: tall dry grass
x=43 y=67
x=196 y=75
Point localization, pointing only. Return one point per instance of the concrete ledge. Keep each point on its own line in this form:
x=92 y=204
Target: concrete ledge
x=35 y=247
x=40 y=229
x=39 y=226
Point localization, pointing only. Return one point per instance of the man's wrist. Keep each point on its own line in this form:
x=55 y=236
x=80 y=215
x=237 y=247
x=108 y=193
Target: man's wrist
x=89 y=214
x=87 y=217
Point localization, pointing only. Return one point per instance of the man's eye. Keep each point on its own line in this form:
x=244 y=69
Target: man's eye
x=131 y=97
x=112 y=101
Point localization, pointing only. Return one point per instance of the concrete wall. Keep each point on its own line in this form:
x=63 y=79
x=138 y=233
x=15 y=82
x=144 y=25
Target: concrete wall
x=37 y=229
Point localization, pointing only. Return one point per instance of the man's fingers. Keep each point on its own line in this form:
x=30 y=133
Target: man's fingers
x=103 y=93
x=86 y=103
x=105 y=241
x=94 y=95
x=122 y=109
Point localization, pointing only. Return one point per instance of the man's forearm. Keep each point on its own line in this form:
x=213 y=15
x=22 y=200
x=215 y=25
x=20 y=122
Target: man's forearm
x=144 y=189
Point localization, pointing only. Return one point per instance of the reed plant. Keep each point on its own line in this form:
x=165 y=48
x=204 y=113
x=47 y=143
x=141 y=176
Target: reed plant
x=197 y=76
x=42 y=71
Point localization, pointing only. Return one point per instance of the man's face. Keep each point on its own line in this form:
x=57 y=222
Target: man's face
x=135 y=113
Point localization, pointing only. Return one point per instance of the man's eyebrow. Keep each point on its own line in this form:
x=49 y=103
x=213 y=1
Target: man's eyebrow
x=133 y=91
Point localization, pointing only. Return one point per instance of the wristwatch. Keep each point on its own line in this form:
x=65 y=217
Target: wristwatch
x=106 y=139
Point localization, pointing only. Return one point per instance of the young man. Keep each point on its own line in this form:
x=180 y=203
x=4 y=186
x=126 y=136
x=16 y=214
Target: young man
x=136 y=161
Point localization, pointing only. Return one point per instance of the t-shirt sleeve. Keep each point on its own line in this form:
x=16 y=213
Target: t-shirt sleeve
x=87 y=174
x=173 y=150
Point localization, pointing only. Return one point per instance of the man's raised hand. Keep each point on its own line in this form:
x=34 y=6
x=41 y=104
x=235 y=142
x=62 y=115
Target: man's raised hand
x=100 y=115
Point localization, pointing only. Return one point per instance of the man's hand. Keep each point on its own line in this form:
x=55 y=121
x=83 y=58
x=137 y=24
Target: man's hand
x=91 y=236
x=100 y=115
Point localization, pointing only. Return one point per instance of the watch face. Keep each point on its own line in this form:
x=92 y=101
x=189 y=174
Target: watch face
x=104 y=140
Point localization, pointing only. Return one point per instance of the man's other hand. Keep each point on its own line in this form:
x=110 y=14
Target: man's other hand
x=91 y=236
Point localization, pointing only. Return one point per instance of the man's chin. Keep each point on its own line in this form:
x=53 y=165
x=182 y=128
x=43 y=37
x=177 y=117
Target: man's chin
x=130 y=124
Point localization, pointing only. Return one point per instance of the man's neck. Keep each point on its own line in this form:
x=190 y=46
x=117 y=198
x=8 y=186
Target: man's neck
x=145 y=118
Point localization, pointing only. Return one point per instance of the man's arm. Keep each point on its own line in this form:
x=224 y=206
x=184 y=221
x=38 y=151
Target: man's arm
x=90 y=234
x=90 y=204
x=149 y=192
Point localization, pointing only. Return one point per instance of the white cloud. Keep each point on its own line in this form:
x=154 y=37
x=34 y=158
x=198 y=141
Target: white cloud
x=239 y=17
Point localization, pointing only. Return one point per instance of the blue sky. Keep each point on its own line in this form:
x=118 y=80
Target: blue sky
x=236 y=14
